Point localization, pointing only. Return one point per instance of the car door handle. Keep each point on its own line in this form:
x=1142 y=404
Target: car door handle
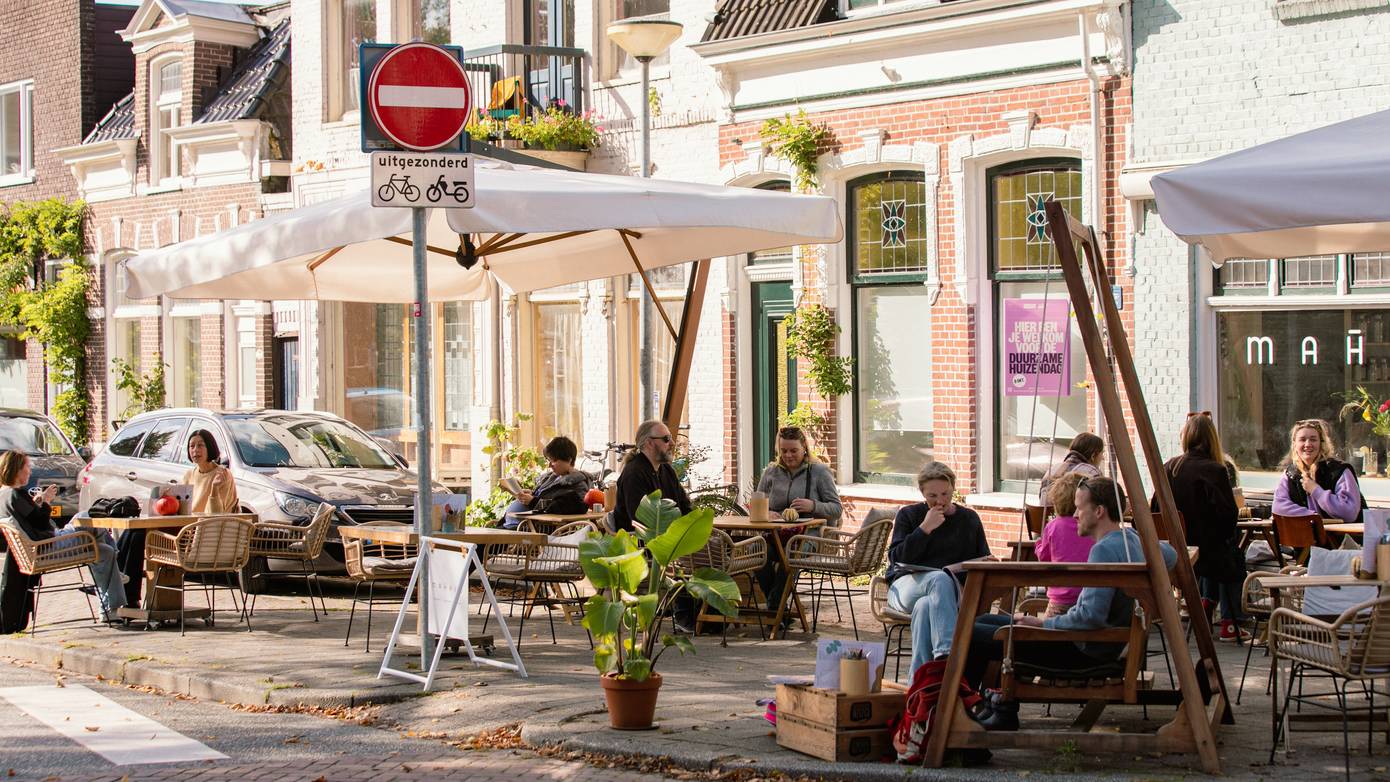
x=173 y=482
x=131 y=475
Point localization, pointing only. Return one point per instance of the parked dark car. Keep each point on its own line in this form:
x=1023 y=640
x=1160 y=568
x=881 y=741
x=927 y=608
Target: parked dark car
x=285 y=463
x=54 y=459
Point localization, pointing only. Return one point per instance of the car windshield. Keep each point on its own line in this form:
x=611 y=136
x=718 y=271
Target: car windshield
x=300 y=441
x=33 y=436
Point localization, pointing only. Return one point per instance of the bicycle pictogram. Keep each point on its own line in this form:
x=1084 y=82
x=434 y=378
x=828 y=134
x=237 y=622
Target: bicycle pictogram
x=400 y=183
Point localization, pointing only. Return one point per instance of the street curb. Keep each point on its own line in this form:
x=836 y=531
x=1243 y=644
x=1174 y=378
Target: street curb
x=141 y=671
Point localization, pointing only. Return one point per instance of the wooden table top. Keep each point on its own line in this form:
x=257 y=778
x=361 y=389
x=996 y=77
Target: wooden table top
x=744 y=523
x=1346 y=528
x=1256 y=524
x=562 y=518
x=404 y=534
x=154 y=522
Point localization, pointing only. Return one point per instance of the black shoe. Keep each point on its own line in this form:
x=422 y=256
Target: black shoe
x=88 y=589
x=997 y=713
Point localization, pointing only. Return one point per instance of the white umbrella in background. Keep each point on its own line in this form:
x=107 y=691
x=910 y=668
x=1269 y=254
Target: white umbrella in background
x=1320 y=192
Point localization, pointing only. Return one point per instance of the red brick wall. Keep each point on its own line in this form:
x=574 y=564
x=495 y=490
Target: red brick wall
x=954 y=326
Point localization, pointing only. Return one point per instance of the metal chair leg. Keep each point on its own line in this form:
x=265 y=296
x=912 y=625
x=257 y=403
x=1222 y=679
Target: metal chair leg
x=849 y=599
x=352 y=612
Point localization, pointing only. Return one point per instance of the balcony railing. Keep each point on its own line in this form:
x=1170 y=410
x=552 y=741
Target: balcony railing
x=513 y=79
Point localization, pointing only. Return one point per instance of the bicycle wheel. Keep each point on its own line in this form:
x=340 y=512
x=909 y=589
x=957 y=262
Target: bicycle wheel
x=386 y=192
x=411 y=193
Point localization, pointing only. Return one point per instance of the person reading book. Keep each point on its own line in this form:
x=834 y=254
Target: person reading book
x=929 y=537
x=560 y=489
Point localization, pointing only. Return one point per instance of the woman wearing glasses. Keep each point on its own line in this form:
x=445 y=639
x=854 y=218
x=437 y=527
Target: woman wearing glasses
x=798 y=481
x=1313 y=481
x=1202 y=491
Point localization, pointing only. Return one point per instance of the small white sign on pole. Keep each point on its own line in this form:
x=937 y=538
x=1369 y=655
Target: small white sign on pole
x=449 y=564
x=422 y=179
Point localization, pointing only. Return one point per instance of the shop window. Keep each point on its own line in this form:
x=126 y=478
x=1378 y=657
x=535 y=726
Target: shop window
x=126 y=346
x=186 y=366
x=1038 y=354
x=458 y=364
x=888 y=257
x=559 y=370
x=350 y=23
x=1370 y=270
x=1313 y=271
x=1244 y=274
x=1275 y=367
x=166 y=113
x=16 y=133
x=432 y=21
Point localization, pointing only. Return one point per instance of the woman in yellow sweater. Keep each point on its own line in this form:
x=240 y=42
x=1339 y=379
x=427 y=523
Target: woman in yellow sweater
x=214 y=490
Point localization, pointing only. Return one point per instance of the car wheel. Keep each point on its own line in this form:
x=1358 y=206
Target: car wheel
x=255 y=577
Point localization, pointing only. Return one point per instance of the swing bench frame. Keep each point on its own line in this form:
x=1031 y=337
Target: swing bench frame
x=1201 y=694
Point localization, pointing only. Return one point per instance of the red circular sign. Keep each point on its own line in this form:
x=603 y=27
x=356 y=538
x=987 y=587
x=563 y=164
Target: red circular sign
x=418 y=95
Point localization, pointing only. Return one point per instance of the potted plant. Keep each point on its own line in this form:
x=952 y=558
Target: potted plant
x=557 y=134
x=638 y=578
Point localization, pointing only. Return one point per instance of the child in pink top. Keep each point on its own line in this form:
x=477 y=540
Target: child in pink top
x=1060 y=542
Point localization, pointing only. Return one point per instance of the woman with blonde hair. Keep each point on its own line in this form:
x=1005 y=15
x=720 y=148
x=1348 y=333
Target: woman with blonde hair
x=796 y=480
x=1202 y=491
x=1061 y=542
x=1315 y=482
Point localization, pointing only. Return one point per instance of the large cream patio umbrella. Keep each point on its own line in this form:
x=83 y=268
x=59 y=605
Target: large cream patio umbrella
x=531 y=228
x=1323 y=191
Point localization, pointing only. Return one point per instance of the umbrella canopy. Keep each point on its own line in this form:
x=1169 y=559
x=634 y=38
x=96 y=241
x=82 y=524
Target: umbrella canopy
x=1323 y=191
x=532 y=228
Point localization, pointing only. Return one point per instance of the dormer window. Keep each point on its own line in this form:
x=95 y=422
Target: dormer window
x=166 y=113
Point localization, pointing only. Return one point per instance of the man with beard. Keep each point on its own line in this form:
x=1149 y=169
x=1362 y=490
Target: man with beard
x=646 y=470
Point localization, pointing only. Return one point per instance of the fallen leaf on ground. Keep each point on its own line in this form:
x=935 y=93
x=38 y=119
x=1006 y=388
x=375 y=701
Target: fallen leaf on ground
x=294 y=740
x=92 y=728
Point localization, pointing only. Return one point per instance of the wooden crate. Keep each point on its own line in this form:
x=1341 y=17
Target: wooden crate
x=833 y=726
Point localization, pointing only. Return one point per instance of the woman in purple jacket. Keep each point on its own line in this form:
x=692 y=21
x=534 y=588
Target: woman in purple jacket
x=1313 y=481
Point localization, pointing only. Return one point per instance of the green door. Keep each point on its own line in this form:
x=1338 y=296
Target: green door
x=774 y=368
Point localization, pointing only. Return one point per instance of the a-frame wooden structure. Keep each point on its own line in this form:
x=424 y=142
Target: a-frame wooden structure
x=1201 y=690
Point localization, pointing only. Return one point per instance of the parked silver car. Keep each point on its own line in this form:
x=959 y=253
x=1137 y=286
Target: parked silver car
x=285 y=463
x=55 y=460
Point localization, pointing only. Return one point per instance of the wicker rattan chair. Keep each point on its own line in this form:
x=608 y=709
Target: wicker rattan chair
x=272 y=540
x=36 y=558
x=215 y=545
x=744 y=557
x=1354 y=647
x=840 y=554
x=1258 y=602
x=545 y=573
x=373 y=562
x=894 y=622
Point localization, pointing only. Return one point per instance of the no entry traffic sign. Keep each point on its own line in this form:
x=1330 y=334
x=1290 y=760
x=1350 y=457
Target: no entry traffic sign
x=418 y=96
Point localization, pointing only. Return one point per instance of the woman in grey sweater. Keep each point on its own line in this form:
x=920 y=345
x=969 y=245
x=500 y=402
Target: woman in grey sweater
x=795 y=480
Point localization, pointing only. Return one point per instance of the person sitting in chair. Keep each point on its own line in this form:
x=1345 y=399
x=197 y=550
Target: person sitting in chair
x=1099 y=504
x=559 y=489
x=928 y=537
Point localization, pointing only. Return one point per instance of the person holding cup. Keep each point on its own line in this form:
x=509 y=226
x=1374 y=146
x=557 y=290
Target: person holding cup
x=796 y=480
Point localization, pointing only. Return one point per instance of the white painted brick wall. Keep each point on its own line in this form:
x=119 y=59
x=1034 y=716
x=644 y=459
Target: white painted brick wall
x=1216 y=77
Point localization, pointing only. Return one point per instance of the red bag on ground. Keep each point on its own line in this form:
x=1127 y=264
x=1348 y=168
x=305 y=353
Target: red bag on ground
x=914 y=725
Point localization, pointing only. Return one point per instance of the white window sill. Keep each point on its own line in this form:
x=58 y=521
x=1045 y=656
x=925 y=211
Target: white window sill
x=880 y=491
x=629 y=79
x=13 y=180
x=1005 y=500
x=163 y=187
x=350 y=119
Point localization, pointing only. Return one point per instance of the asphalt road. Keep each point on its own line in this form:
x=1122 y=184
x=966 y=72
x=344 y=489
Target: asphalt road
x=257 y=745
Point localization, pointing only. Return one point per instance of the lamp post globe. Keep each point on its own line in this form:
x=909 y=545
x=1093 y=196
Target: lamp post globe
x=645 y=40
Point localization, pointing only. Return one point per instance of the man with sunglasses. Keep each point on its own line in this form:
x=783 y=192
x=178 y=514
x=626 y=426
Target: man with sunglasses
x=648 y=469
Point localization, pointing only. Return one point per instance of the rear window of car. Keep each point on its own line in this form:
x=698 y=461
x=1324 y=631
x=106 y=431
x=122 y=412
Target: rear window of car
x=123 y=444
x=163 y=441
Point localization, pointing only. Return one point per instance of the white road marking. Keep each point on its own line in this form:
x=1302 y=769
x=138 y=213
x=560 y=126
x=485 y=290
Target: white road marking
x=407 y=96
x=105 y=727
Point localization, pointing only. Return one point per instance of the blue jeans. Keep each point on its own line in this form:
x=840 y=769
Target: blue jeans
x=105 y=574
x=932 y=600
x=508 y=520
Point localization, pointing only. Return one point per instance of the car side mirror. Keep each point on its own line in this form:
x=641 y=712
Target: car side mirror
x=85 y=453
x=400 y=460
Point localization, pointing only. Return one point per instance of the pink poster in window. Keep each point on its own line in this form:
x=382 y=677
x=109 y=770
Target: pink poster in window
x=1037 y=359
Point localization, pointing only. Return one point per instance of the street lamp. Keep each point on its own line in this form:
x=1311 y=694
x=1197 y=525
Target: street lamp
x=644 y=40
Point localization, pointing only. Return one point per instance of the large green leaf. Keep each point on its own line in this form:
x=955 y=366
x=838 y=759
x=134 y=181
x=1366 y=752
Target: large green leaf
x=605 y=657
x=682 y=643
x=602 y=617
x=656 y=514
x=685 y=536
x=716 y=588
x=646 y=611
x=637 y=668
x=595 y=548
x=625 y=571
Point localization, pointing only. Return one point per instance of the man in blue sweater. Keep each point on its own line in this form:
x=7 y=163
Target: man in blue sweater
x=1099 y=504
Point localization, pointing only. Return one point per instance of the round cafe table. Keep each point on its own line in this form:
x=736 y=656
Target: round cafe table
x=745 y=525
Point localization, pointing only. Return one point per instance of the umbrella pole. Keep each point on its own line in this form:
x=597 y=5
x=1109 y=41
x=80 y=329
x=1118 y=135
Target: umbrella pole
x=423 y=496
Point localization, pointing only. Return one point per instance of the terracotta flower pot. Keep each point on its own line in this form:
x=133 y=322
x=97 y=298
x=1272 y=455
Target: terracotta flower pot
x=631 y=705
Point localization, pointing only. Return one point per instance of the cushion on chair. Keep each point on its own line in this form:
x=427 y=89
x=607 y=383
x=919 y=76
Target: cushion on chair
x=1330 y=601
x=387 y=565
x=554 y=559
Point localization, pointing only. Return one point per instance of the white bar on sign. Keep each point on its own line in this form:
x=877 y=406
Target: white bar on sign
x=408 y=96
x=105 y=727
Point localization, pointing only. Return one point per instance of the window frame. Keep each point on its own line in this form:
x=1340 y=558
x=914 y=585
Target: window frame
x=996 y=278
x=611 y=55
x=337 y=59
x=162 y=149
x=26 y=173
x=856 y=281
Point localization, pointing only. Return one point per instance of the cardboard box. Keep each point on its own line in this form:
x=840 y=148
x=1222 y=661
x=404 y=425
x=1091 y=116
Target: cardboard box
x=833 y=726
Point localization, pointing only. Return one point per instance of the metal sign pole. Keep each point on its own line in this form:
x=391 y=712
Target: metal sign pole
x=423 y=498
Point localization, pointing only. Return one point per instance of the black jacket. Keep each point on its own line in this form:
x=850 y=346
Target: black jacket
x=960 y=537
x=1202 y=491
x=1326 y=475
x=638 y=479
x=35 y=520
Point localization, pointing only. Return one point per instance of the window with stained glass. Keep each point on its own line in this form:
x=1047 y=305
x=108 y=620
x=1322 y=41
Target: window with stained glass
x=1018 y=219
x=890 y=225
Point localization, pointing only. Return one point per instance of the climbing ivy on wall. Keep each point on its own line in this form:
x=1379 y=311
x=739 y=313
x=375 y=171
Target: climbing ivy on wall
x=52 y=312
